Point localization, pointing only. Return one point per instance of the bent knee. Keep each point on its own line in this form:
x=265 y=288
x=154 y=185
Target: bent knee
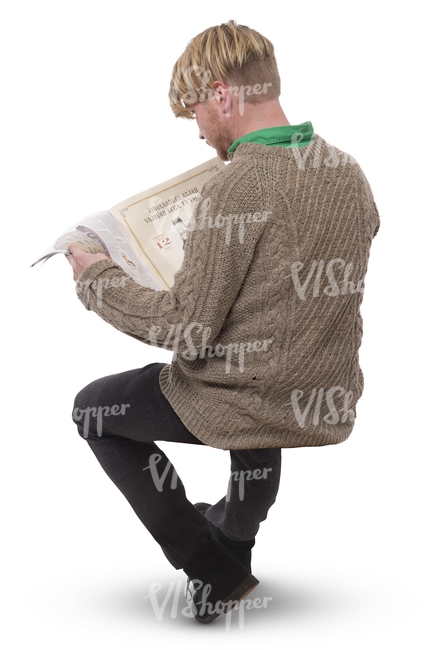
x=84 y=415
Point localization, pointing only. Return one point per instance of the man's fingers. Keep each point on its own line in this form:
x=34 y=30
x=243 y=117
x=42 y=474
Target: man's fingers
x=74 y=250
x=80 y=260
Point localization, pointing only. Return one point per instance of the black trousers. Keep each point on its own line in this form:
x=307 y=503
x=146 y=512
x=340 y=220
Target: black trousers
x=121 y=417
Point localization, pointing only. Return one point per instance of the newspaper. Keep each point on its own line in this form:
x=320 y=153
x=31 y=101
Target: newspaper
x=146 y=234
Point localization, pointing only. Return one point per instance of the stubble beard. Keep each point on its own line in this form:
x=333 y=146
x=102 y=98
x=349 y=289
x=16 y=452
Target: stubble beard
x=219 y=136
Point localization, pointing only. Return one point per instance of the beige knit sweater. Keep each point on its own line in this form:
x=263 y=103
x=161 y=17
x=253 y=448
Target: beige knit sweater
x=264 y=315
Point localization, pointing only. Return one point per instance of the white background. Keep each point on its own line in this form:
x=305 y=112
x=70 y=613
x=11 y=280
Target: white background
x=352 y=552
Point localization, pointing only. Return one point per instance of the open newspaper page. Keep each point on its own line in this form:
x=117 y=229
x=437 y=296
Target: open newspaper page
x=99 y=233
x=155 y=221
x=146 y=233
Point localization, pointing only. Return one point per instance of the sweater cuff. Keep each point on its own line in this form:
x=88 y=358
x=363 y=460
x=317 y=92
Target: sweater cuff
x=90 y=275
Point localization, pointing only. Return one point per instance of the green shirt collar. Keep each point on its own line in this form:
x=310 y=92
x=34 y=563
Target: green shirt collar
x=281 y=136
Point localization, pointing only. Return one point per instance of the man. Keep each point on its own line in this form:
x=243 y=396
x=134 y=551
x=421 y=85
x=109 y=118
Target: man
x=273 y=272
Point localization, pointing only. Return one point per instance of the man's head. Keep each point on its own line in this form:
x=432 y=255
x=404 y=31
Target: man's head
x=222 y=72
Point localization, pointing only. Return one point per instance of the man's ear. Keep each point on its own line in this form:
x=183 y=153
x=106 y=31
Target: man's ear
x=222 y=96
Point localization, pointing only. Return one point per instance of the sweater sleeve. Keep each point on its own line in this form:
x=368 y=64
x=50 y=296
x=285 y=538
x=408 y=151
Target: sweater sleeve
x=225 y=228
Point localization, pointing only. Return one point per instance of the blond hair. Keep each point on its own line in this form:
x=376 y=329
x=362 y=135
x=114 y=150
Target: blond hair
x=230 y=53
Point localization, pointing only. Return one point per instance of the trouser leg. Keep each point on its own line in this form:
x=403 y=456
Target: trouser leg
x=123 y=441
x=252 y=490
x=155 y=493
x=124 y=446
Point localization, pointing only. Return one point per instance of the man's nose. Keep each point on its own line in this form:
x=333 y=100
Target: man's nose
x=201 y=137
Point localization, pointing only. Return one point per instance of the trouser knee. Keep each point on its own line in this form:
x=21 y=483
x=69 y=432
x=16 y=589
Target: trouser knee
x=88 y=418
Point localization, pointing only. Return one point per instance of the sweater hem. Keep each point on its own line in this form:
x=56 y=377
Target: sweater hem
x=266 y=437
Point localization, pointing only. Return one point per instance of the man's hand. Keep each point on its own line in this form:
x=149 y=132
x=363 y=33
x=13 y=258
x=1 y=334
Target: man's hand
x=80 y=260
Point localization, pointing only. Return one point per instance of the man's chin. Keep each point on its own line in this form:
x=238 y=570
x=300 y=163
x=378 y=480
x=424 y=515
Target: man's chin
x=222 y=154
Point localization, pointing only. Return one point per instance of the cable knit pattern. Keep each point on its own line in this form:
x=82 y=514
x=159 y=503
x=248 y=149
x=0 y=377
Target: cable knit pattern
x=263 y=318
